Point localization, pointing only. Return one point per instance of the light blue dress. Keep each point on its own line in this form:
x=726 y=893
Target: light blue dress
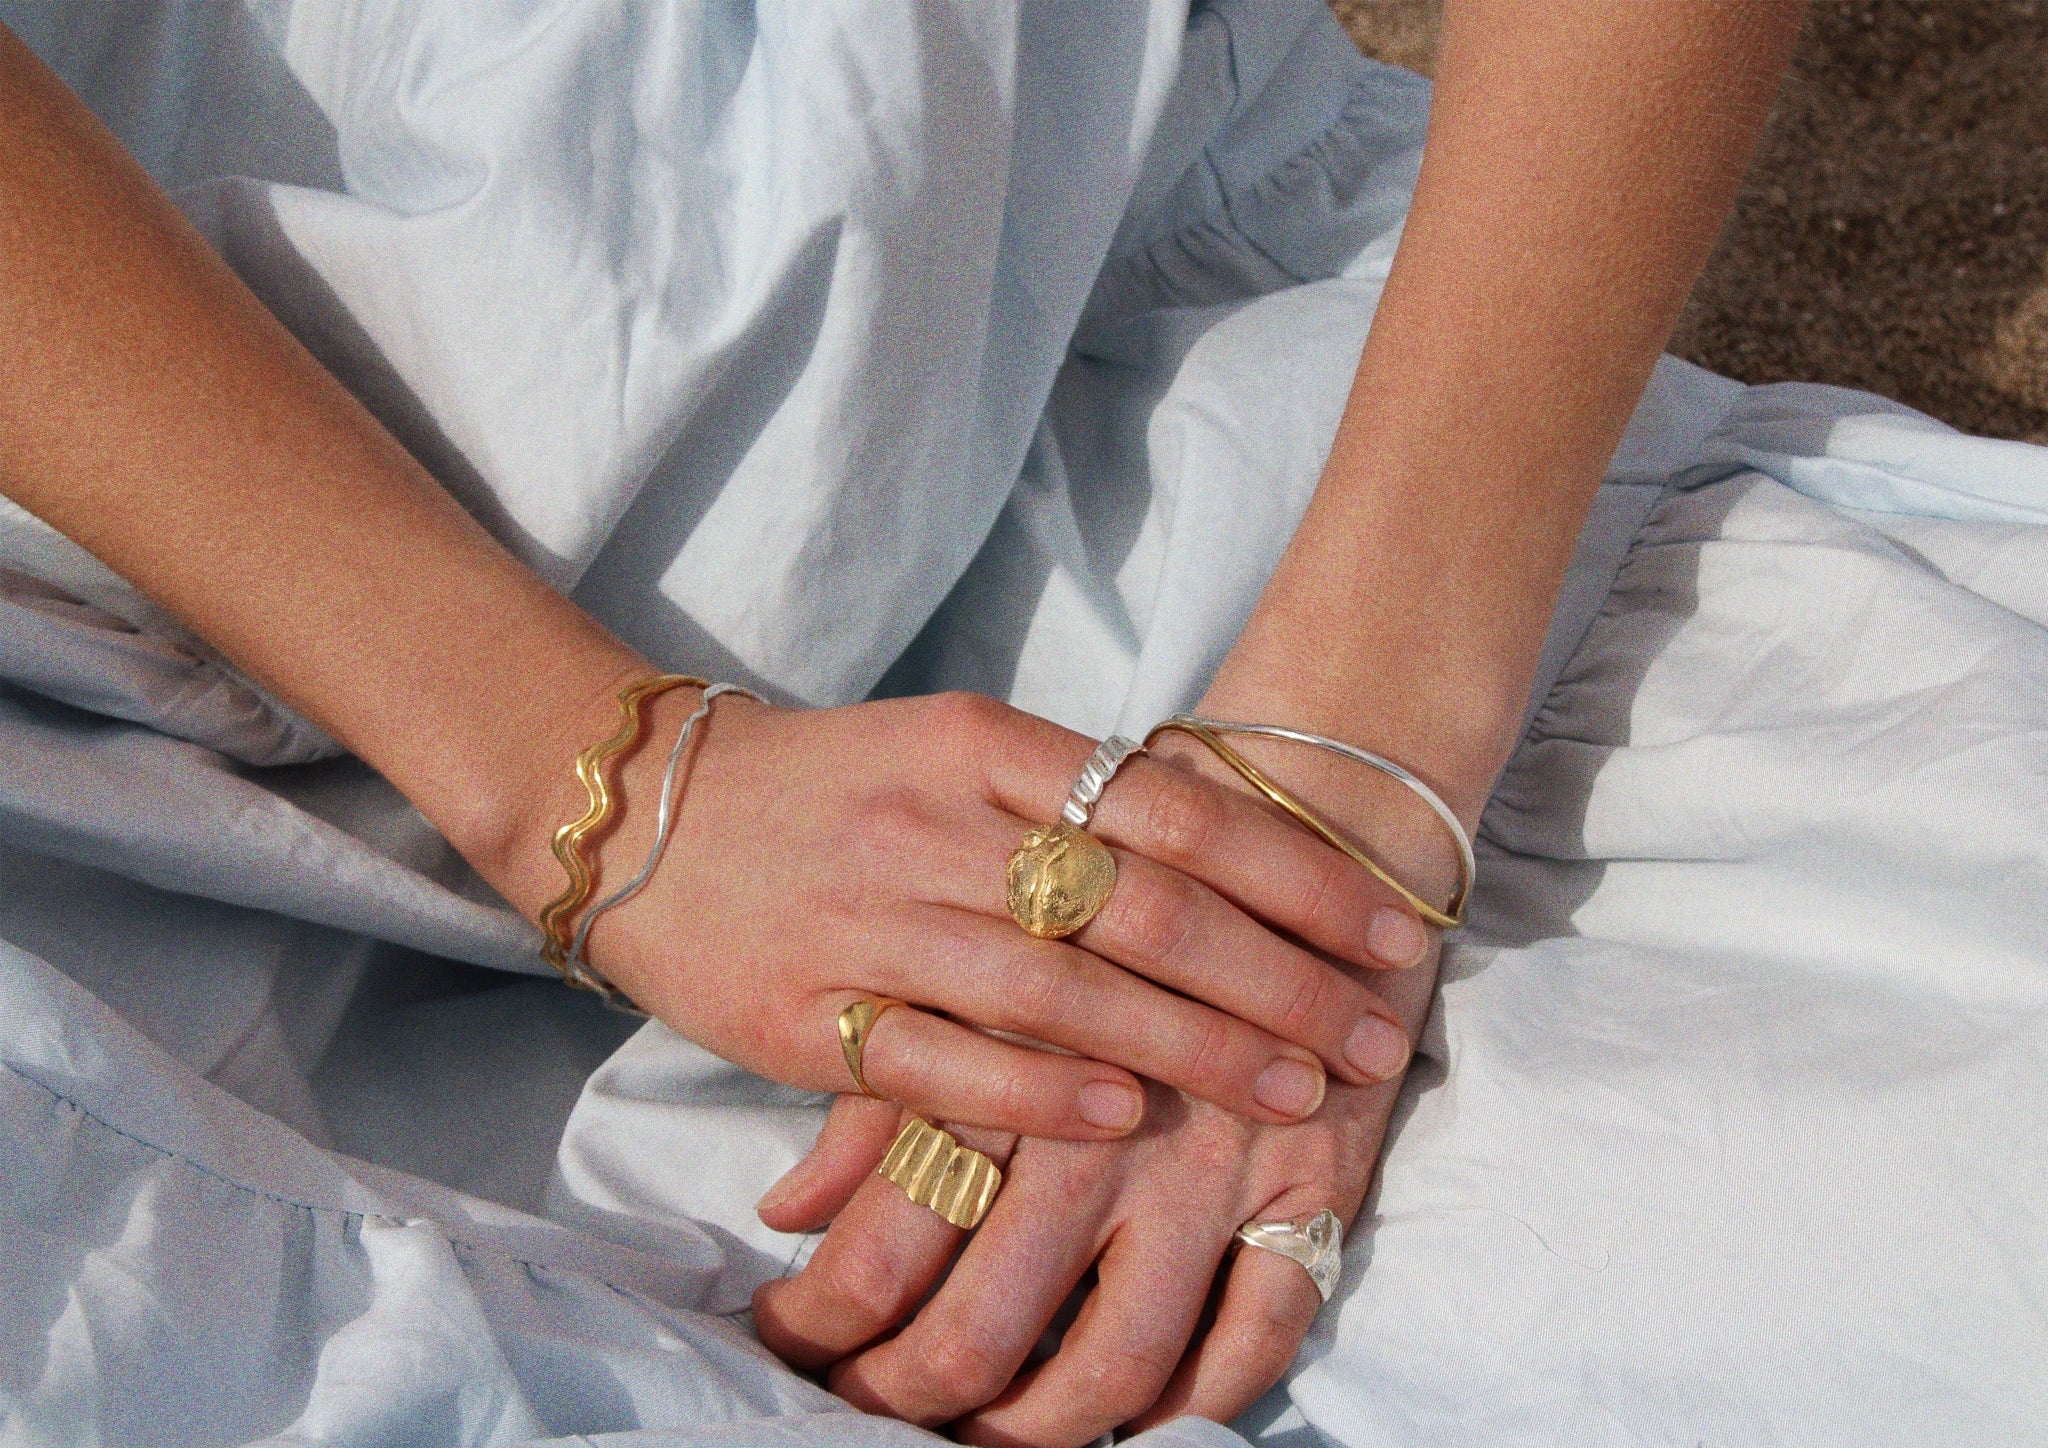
x=992 y=344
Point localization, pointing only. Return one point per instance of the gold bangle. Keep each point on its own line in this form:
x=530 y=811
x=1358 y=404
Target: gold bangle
x=1310 y=820
x=556 y=917
x=935 y=1171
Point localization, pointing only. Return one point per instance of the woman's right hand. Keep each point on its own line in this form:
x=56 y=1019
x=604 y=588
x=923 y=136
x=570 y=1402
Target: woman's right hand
x=822 y=856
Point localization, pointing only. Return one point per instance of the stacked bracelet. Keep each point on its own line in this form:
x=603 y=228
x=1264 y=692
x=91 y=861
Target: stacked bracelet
x=563 y=941
x=1210 y=731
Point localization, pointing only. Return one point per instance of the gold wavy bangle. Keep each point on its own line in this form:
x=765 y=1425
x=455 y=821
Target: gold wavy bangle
x=1310 y=820
x=557 y=916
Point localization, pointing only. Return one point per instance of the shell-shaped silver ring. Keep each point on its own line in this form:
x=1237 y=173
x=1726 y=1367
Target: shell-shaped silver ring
x=1315 y=1240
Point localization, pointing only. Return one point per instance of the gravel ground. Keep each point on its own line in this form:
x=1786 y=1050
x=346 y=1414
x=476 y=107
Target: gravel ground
x=1893 y=233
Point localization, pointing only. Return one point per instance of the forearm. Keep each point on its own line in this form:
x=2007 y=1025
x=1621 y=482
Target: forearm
x=155 y=412
x=1580 y=160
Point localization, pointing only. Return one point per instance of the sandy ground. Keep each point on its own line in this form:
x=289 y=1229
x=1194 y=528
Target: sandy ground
x=1893 y=233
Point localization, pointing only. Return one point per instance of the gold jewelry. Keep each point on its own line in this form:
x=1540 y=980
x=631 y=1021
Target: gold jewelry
x=1057 y=879
x=574 y=966
x=956 y=1181
x=1468 y=867
x=569 y=839
x=854 y=1024
x=1309 y=819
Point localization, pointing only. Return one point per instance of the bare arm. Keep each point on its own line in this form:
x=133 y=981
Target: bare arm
x=151 y=409
x=1580 y=161
x=1581 y=157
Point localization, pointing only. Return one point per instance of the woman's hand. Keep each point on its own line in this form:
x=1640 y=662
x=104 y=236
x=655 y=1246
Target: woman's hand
x=827 y=855
x=156 y=413
x=1154 y=1216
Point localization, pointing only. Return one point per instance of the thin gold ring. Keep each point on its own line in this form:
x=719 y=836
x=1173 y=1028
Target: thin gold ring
x=854 y=1024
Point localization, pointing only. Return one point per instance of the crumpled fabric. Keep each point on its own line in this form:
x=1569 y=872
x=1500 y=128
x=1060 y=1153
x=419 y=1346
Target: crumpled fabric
x=1725 y=1126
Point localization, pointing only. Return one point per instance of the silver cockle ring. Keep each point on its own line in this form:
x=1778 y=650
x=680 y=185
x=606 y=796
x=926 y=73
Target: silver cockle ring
x=1315 y=1240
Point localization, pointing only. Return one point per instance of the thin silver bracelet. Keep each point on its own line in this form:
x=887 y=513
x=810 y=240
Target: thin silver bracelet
x=1363 y=756
x=579 y=971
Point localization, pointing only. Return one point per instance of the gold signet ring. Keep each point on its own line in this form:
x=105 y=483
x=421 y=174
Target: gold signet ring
x=956 y=1181
x=854 y=1024
x=1058 y=878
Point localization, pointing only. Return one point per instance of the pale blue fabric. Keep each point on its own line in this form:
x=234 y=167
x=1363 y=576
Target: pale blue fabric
x=990 y=345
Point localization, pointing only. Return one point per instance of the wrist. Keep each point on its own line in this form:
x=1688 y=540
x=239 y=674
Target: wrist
x=505 y=827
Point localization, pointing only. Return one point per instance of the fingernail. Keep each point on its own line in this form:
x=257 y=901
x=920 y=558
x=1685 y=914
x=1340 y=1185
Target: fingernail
x=1111 y=1105
x=776 y=1195
x=1395 y=936
x=1290 y=1087
x=1377 y=1047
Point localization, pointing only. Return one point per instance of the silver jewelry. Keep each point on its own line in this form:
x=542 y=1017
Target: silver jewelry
x=1096 y=774
x=1315 y=1240
x=1376 y=761
x=579 y=970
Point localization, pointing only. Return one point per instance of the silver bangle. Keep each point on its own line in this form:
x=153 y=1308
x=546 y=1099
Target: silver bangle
x=580 y=971
x=1101 y=768
x=1385 y=766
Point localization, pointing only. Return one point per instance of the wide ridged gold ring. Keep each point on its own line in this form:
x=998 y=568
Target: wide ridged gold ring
x=854 y=1024
x=935 y=1171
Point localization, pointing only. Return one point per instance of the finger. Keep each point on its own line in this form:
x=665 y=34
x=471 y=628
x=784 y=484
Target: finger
x=993 y=974
x=1269 y=1304
x=856 y=1136
x=882 y=1256
x=1123 y=1349
x=1171 y=928
x=949 y=1072
x=967 y=1343
x=1259 y=859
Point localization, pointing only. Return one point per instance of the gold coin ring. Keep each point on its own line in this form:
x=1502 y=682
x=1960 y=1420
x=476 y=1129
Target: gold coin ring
x=1058 y=879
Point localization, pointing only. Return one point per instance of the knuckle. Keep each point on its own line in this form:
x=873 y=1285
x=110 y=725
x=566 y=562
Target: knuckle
x=1153 y=921
x=1182 y=822
x=1270 y=1345
x=1014 y=1097
x=866 y=1286
x=967 y=720
x=1122 y=1382
x=891 y=837
x=1214 y=1040
x=1039 y=990
x=1329 y=895
x=1310 y=1006
x=963 y=1371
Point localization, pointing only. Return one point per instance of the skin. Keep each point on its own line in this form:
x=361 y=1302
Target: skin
x=151 y=409
x=1555 y=234
x=155 y=412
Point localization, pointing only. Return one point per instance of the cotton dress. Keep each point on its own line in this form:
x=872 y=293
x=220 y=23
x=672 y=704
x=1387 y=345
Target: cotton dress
x=844 y=349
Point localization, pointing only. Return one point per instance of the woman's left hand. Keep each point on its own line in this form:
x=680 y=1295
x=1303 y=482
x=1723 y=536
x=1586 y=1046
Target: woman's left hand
x=1154 y=1215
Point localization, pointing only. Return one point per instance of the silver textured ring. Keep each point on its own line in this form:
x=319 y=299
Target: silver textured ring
x=1315 y=1240
x=1101 y=768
